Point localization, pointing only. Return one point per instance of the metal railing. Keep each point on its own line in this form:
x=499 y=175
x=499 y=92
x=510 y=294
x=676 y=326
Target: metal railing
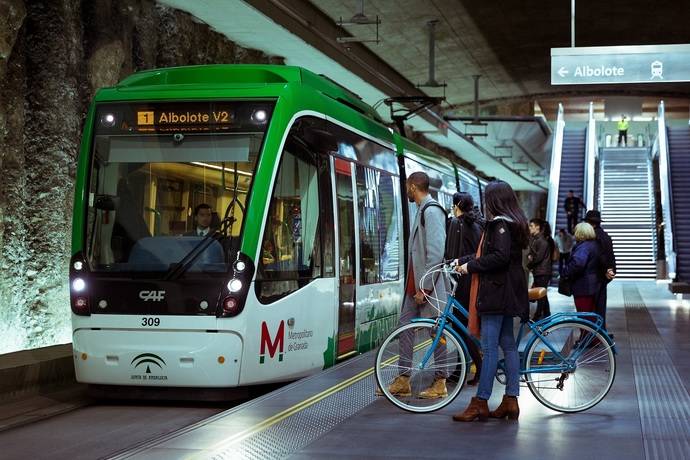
x=666 y=198
x=555 y=175
x=591 y=155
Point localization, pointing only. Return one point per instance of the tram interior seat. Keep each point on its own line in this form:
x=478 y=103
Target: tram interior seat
x=159 y=252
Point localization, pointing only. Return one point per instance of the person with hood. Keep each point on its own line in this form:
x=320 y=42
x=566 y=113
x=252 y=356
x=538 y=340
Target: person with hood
x=498 y=293
x=583 y=268
x=464 y=233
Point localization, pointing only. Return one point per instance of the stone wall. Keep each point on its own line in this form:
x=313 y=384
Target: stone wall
x=54 y=55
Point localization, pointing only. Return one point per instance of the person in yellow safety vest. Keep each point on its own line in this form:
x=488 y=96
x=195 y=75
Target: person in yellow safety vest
x=623 y=131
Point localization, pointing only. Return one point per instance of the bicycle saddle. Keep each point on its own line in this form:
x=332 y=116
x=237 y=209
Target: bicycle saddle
x=536 y=293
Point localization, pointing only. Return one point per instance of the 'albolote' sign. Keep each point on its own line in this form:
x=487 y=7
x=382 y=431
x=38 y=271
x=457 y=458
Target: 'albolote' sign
x=620 y=64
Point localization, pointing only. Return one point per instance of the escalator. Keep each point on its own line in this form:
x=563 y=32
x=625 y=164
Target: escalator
x=572 y=174
x=679 y=166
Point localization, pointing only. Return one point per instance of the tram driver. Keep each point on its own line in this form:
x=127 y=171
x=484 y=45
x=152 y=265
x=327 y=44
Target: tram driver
x=203 y=216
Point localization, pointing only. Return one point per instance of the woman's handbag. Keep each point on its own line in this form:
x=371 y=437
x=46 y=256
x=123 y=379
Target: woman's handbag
x=565 y=286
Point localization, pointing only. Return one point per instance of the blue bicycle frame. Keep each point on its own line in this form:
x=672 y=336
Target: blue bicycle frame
x=566 y=364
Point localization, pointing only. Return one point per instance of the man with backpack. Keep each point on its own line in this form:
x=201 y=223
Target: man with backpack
x=426 y=248
x=539 y=261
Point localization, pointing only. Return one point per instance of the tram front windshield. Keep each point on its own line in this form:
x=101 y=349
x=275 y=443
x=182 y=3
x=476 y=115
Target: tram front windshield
x=157 y=190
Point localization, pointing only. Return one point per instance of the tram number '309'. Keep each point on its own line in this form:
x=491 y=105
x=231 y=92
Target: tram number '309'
x=150 y=321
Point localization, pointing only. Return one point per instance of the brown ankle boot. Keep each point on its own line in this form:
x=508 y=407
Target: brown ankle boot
x=477 y=410
x=508 y=408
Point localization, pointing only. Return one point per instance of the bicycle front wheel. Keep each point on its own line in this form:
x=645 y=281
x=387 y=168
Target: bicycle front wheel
x=404 y=380
x=576 y=378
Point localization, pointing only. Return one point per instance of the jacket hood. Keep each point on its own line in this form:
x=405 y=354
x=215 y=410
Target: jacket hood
x=472 y=216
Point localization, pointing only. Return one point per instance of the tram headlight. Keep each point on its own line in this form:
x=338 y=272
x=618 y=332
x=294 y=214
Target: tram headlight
x=78 y=285
x=240 y=266
x=78 y=265
x=259 y=116
x=234 y=285
x=108 y=120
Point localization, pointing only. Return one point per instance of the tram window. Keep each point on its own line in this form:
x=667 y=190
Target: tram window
x=377 y=196
x=389 y=227
x=290 y=248
x=144 y=190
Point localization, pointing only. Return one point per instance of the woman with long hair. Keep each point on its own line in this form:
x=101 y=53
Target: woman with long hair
x=498 y=294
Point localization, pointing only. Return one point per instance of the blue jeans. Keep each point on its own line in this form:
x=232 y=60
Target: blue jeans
x=495 y=330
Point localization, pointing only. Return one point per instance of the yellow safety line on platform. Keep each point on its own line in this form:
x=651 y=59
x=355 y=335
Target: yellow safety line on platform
x=300 y=406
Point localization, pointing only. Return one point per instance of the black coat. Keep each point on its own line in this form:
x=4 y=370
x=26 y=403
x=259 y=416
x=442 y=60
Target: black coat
x=540 y=256
x=607 y=259
x=462 y=241
x=502 y=282
x=463 y=237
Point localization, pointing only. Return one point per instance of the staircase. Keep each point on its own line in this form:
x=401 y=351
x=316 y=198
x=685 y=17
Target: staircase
x=572 y=171
x=679 y=164
x=626 y=202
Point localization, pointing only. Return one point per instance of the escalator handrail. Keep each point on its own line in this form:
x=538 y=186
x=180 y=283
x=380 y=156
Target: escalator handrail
x=555 y=175
x=666 y=195
x=590 y=160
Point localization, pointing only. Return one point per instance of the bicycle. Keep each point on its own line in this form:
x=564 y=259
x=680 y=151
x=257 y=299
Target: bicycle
x=568 y=362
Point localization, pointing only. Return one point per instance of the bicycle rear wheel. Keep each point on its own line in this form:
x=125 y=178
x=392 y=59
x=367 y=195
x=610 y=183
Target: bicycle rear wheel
x=451 y=364
x=581 y=378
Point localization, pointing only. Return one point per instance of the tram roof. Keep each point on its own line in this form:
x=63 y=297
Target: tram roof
x=216 y=76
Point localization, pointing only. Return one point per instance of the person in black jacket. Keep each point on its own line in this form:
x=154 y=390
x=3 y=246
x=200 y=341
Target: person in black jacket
x=572 y=205
x=607 y=261
x=540 y=264
x=499 y=293
x=462 y=240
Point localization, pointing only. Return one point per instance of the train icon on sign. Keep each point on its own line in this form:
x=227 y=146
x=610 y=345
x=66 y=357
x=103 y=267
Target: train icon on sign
x=657 y=68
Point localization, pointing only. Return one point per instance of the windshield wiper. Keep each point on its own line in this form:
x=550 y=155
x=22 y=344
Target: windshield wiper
x=179 y=268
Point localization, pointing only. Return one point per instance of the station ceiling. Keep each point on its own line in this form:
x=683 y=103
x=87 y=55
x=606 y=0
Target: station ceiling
x=507 y=42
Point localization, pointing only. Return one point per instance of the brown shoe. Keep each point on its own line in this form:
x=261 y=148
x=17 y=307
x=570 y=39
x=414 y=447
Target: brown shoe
x=477 y=410
x=399 y=387
x=508 y=408
x=436 y=390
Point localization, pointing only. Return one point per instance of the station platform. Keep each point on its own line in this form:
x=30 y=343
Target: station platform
x=336 y=414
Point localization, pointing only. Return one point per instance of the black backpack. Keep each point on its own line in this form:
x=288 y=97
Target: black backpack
x=436 y=205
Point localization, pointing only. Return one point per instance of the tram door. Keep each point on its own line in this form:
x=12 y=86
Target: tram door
x=346 y=250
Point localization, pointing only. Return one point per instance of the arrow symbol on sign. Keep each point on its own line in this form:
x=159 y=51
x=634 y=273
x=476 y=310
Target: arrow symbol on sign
x=562 y=72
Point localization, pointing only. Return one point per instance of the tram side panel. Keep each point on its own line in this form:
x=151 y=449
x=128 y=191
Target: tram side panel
x=290 y=311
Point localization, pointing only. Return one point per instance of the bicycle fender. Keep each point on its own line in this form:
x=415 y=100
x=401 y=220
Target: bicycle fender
x=450 y=330
x=577 y=321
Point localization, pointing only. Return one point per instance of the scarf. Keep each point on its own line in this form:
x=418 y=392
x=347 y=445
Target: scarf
x=473 y=322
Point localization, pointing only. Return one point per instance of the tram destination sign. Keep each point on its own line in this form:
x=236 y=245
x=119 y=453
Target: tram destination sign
x=620 y=64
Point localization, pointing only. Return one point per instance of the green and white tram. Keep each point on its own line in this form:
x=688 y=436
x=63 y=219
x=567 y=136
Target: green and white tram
x=304 y=265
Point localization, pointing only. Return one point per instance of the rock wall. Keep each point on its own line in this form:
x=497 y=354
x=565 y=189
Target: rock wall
x=54 y=55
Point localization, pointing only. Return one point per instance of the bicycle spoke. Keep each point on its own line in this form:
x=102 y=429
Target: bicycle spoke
x=585 y=382
x=420 y=377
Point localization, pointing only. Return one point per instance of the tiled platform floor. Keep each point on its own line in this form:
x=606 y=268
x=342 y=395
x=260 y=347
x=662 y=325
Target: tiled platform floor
x=645 y=416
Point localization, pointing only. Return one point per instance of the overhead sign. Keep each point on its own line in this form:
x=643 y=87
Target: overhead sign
x=620 y=64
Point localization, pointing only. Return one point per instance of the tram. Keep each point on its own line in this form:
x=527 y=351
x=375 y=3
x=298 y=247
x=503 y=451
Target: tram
x=302 y=265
